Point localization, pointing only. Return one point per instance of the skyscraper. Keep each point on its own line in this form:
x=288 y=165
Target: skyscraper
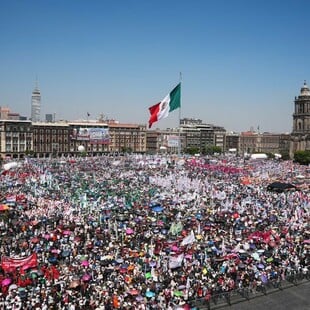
x=36 y=104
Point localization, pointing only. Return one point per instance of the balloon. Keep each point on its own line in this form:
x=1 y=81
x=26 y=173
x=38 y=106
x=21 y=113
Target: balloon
x=81 y=148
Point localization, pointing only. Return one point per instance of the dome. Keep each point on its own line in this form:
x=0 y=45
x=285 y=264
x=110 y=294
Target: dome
x=305 y=91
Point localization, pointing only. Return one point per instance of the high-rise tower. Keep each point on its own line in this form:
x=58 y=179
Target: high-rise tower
x=36 y=104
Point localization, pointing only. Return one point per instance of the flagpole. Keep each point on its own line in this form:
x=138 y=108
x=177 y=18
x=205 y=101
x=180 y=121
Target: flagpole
x=179 y=142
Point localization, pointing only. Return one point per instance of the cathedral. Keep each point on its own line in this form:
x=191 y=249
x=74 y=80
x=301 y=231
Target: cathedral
x=300 y=136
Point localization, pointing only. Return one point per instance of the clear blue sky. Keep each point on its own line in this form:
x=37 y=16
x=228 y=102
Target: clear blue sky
x=242 y=61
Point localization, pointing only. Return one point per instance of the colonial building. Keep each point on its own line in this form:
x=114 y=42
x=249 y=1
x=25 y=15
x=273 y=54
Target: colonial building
x=94 y=136
x=126 y=137
x=16 y=138
x=255 y=142
x=300 y=137
x=232 y=140
x=153 y=141
x=50 y=139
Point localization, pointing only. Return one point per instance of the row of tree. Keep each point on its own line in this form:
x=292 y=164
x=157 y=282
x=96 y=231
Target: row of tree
x=301 y=157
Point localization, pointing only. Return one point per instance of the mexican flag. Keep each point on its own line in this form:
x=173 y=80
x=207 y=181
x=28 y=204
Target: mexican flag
x=162 y=109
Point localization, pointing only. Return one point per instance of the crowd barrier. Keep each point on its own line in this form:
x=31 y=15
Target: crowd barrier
x=227 y=298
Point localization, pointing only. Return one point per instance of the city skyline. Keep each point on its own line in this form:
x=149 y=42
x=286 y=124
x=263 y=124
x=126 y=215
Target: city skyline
x=242 y=63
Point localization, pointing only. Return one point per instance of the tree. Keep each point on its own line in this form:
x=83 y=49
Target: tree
x=285 y=155
x=192 y=150
x=212 y=149
x=302 y=157
x=126 y=149
x=29 y=153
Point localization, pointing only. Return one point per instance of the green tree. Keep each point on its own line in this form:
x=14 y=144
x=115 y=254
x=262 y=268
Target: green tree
x=302 y=157
x=29 y=153
x=126 y=149
x=192 y=150
x=285 y=155
x=212 y=149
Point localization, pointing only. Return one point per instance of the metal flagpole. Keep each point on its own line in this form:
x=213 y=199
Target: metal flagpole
x=179 y=129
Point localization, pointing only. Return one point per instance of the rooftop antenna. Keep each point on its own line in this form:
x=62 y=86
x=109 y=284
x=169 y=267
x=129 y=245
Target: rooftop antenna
x=37 y=83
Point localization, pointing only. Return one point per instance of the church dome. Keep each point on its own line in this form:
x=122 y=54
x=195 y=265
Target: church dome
x=305 y=91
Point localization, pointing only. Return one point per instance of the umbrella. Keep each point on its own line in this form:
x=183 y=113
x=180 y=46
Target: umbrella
x=123 y=270
x=22 y=292
x=13 y=287
x=85 y=263
x=139 y=298
x=77 y=239
x=6 y=282
x=260 y=266
x=255 y=256
x=129 y=231
x=174 y=248
x=148 y=275
x=264 y=278
x=280 y=187
x=164 y=231
x=157 y=208
x=52 y=260
x=67 y=232
x=152 y=263
x=34 y=223
x=65 y=253
x=149 y=294
x=33 y=275
x=133 y=292
x=35 y=240
x=4 y=207
x=86 y=277
x=177 y=293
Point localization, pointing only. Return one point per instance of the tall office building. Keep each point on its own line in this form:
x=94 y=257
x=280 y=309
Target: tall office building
x=36 y=104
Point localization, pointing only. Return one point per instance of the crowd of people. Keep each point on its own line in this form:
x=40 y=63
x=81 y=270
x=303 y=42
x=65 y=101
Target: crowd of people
x=147 y=232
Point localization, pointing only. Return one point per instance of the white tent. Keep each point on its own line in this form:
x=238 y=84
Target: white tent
x=259 y=156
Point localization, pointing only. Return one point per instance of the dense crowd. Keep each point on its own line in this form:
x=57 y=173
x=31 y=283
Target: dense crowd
x=147 y=232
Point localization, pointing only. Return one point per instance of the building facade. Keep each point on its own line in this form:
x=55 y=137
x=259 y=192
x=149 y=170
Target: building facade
x=16 y=138
x=197 y=134
x=300 y=136
x=232 y=142
x=255 y=142
x=20 y=138
x=50 y=139
x=192 y=134
x=126 y=138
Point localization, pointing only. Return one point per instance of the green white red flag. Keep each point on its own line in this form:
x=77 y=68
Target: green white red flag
x=162 y=109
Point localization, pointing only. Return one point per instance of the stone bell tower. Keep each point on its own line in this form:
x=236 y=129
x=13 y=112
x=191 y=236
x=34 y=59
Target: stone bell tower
x=300 y=137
